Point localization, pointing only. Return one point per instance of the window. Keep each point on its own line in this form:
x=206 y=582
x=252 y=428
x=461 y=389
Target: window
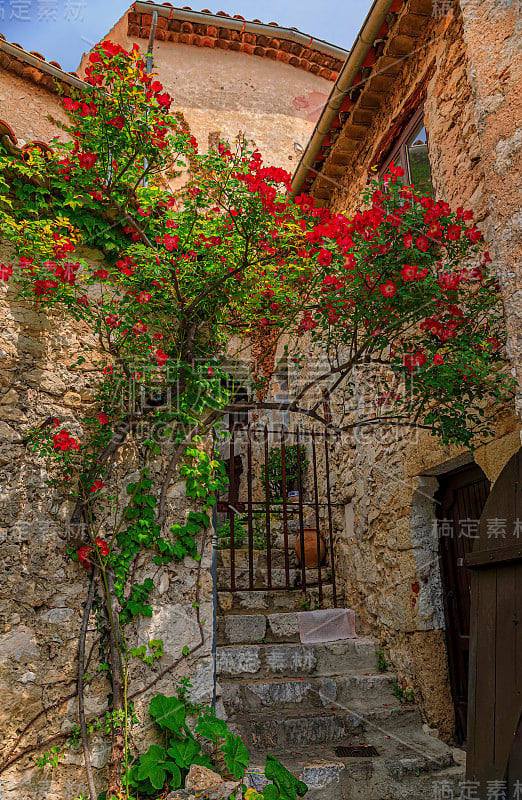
x=411 y=153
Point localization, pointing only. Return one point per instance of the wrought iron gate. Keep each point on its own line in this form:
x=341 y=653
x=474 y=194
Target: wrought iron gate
x=279 y=493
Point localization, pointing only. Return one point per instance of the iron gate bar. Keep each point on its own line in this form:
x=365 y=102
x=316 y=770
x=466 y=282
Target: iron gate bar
x=300 y=500
x=285 y=512
x=250 y=515
x=305 y=503
x=317 y=528
x=330 y=522
x=231 y=514
x=267 y=500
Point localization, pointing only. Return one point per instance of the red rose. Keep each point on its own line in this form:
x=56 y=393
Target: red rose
x=102 y=547
x=117 y=122
x=388 y=289
x=6 y=271
x=408 y=272
x=83 y=556
x=87 y=160
x=422 y=242
x=65 y=442
x=161 y=357
x=454 y=232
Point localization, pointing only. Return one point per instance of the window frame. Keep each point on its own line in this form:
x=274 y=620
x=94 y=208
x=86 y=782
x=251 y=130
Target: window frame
x=400 y=150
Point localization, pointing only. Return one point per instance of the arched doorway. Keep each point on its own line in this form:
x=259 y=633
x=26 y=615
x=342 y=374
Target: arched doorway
x=495 y=696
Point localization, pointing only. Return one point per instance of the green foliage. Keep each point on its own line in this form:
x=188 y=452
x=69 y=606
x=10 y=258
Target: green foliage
x=285 y=786
x=169 y=714
x=382 y=662
x=224 y=538
x=155 y=647
x=137 y=602
x=235 y=754
x=155 y=770
x=167 y=767
x=259 y=538
x=404 y=695
x=275 y=470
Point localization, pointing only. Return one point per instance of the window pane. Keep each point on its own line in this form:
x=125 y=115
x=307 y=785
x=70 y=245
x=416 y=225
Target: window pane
x=419 y=162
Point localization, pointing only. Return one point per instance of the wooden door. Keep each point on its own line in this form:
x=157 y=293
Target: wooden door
x=495 y=696
x=460 y=501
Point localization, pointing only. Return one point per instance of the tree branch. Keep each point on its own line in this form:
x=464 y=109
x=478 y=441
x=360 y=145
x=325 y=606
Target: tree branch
x=81 y=678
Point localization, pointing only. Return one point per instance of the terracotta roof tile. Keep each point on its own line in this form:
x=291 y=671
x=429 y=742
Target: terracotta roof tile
x=213 y=34
x=6 y=130
x=32 y=66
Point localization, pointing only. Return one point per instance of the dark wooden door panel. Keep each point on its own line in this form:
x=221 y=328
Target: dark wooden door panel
x=460 y=501
x=495 y=696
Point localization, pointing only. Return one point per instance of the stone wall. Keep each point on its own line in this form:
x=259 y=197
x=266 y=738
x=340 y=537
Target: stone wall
x=493 y=40
x=389 y=550
x=42 y=591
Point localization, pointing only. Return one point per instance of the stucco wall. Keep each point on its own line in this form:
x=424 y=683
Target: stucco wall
x=272 y=103
x=25 y=107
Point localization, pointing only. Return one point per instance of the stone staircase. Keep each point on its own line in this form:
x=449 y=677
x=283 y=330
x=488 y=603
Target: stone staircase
x=298 y=701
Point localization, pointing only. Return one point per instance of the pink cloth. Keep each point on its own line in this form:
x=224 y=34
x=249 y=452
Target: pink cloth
x=326 y=625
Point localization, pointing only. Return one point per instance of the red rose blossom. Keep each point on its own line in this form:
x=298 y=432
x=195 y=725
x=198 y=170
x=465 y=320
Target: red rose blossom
x=388 y=289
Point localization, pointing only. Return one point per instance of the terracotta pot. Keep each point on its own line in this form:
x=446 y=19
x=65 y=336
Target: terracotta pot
x=310 y=548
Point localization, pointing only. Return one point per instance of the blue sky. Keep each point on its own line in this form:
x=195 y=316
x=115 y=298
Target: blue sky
x=61 y=30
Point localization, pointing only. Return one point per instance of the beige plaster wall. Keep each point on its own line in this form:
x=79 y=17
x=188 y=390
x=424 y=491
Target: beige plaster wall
x=26 y=107
x=270 y=102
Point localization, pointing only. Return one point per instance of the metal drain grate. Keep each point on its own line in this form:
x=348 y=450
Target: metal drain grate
x=354 y=751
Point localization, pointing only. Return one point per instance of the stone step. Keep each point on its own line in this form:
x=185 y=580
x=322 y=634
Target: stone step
x=349 y=657
x=408 y=767
x=272 y=731
x=275 y=600
x=303 y=694
x=254 y=628
x=259 y=628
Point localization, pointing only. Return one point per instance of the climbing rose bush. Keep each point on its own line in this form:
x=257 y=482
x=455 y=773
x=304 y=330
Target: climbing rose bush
x=201 y=249
x=404 y=284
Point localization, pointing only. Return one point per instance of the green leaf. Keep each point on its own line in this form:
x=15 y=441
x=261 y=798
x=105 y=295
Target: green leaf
x=150 y=767
x=288 y=785
x=235 y=754
x=211 y=727
x=168 y=712
x=183 y=752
